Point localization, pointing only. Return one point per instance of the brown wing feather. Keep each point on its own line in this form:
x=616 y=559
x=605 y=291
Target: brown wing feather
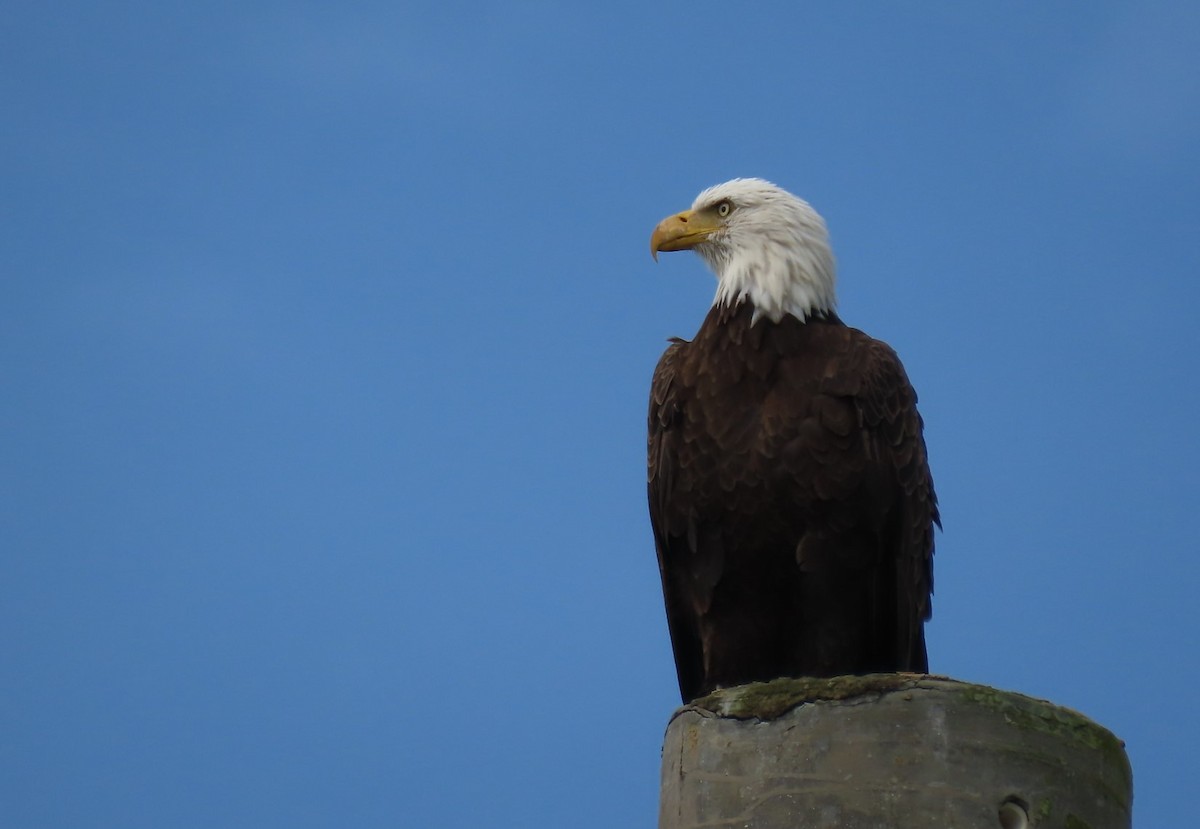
x=662 y=462
x=791 y=503
x=888 y=406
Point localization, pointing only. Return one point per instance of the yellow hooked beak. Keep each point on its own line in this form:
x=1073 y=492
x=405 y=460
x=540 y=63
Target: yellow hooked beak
x=683 y=231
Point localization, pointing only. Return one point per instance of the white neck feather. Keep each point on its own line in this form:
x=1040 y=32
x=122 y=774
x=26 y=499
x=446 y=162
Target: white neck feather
x=774 y=252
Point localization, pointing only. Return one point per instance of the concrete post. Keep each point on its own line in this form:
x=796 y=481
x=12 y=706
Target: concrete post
x=889 y=750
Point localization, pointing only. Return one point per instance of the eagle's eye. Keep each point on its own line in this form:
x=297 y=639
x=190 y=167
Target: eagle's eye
x=724 y=208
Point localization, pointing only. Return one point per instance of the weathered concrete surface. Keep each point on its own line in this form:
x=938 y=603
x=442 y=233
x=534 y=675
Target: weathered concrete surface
x=889 y=750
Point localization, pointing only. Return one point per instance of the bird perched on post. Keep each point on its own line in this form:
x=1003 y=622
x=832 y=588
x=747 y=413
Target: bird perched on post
x=789 y=488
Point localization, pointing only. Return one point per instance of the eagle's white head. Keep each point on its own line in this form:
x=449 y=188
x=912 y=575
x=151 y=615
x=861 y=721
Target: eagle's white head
x=764 y=244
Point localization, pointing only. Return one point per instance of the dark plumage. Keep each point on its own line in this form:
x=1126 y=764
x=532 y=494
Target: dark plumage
x=790 y=495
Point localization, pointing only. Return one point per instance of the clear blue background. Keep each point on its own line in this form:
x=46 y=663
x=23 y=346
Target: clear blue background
x=326 y=332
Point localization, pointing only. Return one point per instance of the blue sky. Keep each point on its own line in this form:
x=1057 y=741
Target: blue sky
x=326 y=333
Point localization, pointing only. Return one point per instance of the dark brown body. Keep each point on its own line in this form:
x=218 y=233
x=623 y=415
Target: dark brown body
x=791 y=501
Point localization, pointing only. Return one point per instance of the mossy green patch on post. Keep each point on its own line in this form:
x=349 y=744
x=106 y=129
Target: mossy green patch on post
x=1037 y=715
x=1045 y=808
x=768 y=701
x=1030 y=713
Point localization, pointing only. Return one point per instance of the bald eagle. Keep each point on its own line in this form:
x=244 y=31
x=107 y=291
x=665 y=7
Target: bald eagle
x=790 y=494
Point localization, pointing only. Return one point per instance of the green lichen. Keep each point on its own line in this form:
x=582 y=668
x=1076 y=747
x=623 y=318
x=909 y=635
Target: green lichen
x=1044 y=809
x=1074 y=822
x=771 y=700
x=1035 y=715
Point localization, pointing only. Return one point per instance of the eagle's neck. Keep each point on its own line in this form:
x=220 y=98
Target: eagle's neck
x=788 y=272
x=743 y=314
